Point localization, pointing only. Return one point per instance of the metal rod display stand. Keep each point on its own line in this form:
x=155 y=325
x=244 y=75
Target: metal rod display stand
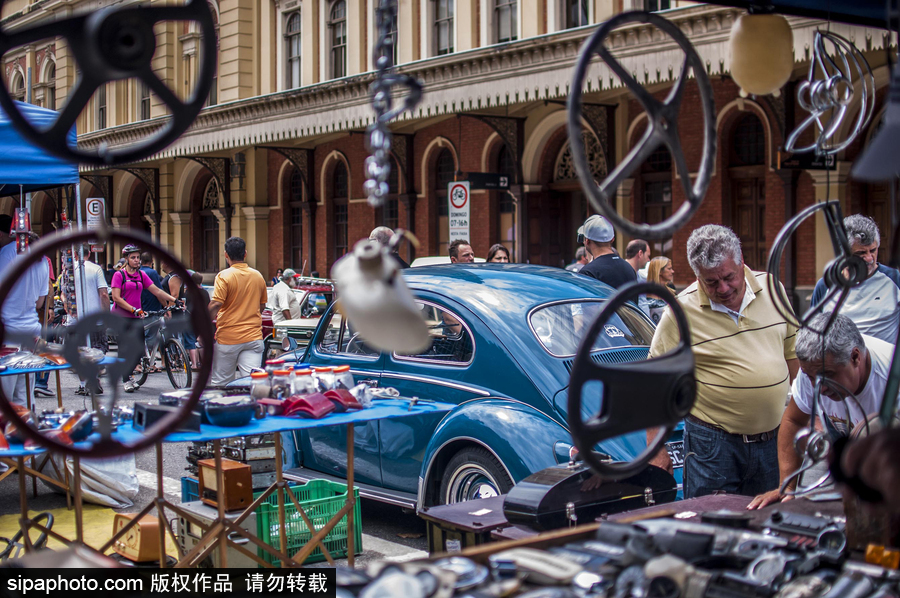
x=219 y=532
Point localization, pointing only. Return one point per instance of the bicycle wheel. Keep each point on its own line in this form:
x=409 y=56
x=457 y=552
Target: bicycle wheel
x=178 y=364
x=145 y=371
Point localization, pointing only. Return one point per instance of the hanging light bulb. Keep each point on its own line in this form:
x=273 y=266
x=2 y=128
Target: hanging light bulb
x=880 y=160
x=762 y=53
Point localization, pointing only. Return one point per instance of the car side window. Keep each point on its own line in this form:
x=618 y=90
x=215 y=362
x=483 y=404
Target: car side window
x=315 y=303
x=331 y=339
x=340 y=337
x=451 y=339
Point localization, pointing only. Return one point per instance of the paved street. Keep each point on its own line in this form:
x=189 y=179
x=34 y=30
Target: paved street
x=381 y=523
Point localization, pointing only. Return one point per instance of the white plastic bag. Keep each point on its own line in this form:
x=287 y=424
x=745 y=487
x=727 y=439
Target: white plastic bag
x=111 y=482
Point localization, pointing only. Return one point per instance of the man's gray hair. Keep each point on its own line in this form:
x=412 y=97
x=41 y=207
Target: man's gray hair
x=710 y=245
x=382 y=234
x=839 y=340
x=862 y=230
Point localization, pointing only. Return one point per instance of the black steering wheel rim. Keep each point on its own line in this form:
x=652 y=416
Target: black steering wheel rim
x=109 y=45
x=664 y=411
x=109 y=447
x=662 y=128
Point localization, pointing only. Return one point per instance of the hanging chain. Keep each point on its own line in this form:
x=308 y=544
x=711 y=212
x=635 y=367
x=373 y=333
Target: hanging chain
x=378 y=140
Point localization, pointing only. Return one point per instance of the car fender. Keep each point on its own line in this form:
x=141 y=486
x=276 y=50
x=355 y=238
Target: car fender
x=519 y=436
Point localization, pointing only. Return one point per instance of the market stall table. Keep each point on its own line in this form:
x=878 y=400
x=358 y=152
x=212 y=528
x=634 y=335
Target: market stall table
x=217 y=533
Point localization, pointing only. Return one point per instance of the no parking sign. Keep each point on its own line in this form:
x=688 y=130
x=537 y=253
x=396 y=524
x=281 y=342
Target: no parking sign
x=459 y=199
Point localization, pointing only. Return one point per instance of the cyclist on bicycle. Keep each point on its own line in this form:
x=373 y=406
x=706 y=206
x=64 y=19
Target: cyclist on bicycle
x=127 y=285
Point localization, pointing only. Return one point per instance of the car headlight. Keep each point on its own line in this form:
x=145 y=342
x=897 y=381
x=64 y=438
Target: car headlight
x=279 y=333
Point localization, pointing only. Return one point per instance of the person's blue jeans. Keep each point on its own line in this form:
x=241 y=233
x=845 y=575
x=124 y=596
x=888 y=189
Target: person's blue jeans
x=716 y=460
x=42 y=380
x=189 y=339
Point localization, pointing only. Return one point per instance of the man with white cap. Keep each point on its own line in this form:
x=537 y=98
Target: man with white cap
x=286 y=304
x=606 y=266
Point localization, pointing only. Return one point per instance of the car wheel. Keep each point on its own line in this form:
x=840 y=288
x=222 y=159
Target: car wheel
x=473 y=473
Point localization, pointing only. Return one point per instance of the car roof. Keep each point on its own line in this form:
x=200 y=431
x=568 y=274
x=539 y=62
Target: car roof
x=432 y=260
x=504 y=288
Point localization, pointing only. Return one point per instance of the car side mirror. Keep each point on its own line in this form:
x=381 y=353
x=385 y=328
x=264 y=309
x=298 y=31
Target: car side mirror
x=288 y=344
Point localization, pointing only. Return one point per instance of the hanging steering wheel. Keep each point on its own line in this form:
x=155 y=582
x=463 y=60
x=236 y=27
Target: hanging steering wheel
x=112 y=44
x=637 y=395
x=838 y=283
x=106 y=445
x=662 y=128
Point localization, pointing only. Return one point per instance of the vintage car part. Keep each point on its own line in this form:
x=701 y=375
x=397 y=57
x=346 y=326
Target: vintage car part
x=662 y=128
x=828 y=99
x=377 y=302
x=378 y=141
x=838 y=283
x=105 y=445
x=566 y=494
x=637 y=395
x=111 y=44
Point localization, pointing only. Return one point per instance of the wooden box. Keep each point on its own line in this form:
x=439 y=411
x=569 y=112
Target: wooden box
x=139 y=544
x=238 y=490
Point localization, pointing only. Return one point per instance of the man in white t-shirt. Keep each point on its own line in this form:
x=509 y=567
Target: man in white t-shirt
x=94 y=298
x=19 y=313
x=285 y=304
x=873 y=303
x=854 y=363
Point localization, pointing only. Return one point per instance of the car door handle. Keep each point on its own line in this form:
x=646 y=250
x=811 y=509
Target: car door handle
x=370 y=382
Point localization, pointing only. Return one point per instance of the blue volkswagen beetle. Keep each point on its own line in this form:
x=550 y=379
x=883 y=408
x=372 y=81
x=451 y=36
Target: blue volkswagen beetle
x=504 y=341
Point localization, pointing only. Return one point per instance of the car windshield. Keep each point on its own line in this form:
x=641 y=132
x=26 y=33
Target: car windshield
x=561 y=326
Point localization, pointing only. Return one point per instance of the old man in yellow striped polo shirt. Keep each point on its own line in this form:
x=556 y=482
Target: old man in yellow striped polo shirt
x=745 y=363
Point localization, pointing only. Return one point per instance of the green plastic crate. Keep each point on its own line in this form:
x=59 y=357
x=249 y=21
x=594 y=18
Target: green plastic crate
x=321 y=500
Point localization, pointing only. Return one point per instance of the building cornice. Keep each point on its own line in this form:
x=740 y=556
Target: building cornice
x=534 y=69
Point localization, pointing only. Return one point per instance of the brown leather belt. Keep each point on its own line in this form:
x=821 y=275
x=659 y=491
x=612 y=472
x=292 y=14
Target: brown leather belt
x=747 y=438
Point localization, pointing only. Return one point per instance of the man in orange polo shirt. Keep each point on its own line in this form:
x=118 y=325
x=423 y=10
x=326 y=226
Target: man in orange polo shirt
x=239 y=297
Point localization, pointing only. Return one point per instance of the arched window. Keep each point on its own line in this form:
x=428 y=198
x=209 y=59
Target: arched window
x=506 y=208
x=748 y=142
x=656 y=194
x=337 y=25
x=506 y=20
x=292 y=37
x=747 y=184
x=444 y=173
x=443 y=27
x=18 y=87
x=340 y=196
x=296 y=233
x=209 y=228
x=576 y=13
x=50 y=94
x=390 y=211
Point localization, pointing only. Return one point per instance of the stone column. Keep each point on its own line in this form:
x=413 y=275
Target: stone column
x=828 y=184
x=115 y=247
x=257 y=237
x=181 y=237
x=623 y=209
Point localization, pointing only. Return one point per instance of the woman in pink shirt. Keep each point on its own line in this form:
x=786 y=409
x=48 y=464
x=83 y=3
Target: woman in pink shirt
x=127 y=285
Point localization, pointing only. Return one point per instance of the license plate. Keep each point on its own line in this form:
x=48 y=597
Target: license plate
x=676 y=453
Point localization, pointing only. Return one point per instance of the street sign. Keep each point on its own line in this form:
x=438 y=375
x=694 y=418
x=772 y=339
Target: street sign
x=98 y=248
x=460 y=204
x=809 y=161
x=96 y=213
x=487 y=180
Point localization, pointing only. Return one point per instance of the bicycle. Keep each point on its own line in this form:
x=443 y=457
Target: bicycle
x=175 y=357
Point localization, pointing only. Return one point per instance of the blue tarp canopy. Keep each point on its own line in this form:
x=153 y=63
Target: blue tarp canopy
x=21 y=163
